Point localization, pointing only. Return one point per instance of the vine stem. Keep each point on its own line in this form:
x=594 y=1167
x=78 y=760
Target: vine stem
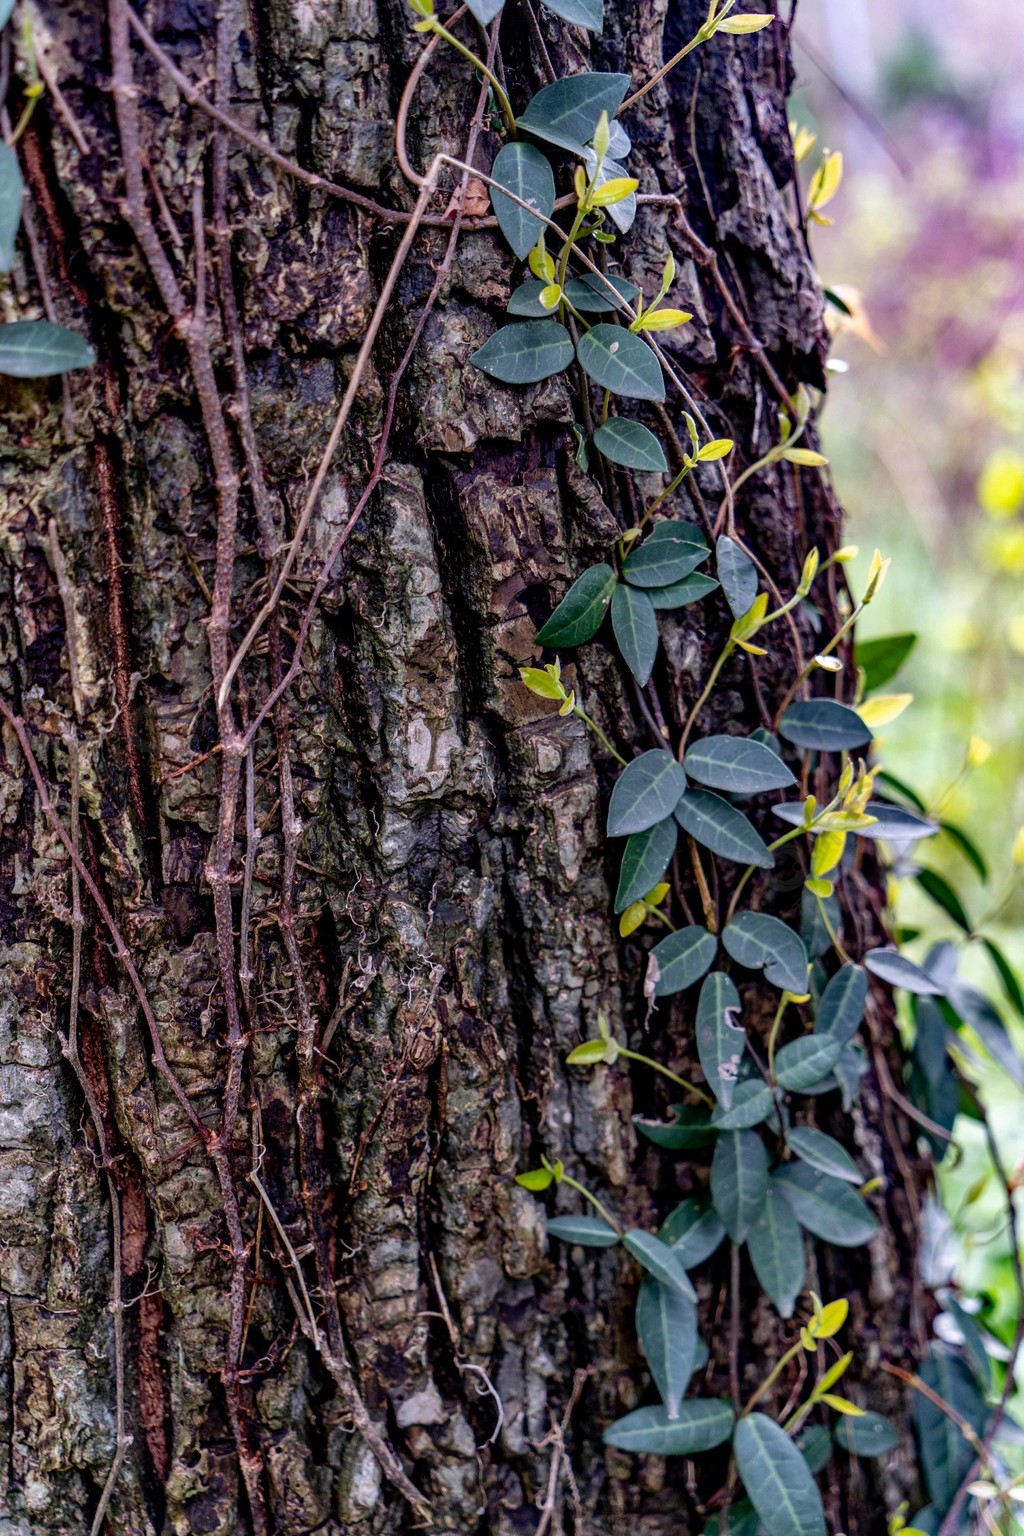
x=772 y=1376
x=729 y=647
x=648 y=1061
x=773 y=1035
x=599 y=734
x=440 y=30
x=582 y=1189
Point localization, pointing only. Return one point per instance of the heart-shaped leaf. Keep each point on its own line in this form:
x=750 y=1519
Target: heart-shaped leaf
x=645 y=792
x=693 y=1231
x=587 y=1231
x=659 y=1260
x=578 y=616
x=644 y=860
x=525 y=352
x=671 y=551
x=823 y=725
x=753 y=1103
x=630 y=444
x=776 y=1247
x=581 y=13
x=826 y=1206
x=12 y=191
x=739 y=1178
x=842 y=1003
x=738 y=575
x=868 y=1434
x=720 y=1037
x=718 y=825
x=737 y=764
x=702 y=1424
x=678 y=593
x=756 y=940
x=777 y=1479
x=806 y=1061
x=666 y=1325
x=618 y=360
x=889 y=965
x=636 y=630
x=37 y=349
x=681 y=959
x=821 y=1152
x=567 y=112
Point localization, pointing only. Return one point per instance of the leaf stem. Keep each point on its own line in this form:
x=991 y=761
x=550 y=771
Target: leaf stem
x=772 y=1376
x=595 y=1202
x=599 y=733
x=496 y=86
x=727 y=650
x=648 y=1061
x=773 y=1036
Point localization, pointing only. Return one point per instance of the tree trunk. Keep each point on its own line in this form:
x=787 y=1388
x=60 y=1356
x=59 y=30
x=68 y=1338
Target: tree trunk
x=275 y=1216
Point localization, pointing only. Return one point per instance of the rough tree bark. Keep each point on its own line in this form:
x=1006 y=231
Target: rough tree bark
x=317 y=1228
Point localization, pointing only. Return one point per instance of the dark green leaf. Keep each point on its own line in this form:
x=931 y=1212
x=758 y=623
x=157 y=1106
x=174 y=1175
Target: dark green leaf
x=753 y=1104
x=776 y=1247
x=777 y=1479
x=842 y=1003
x=619 y=360
x=739 y=1179
x=525 y=301
x=946 y=1455
x=630 y=444
x=882 y=659
x=970 y=850
x=587 y=1231
x=806 y=1061
x=848 y=1071
x=702 y=1424
x=645 y=792
x=12 y=190
x=680 y=960
x=821 y=1152
x=738 y=575
x=823 y=725
x=581 y=13
x=690 y=1128
x=36 y=349
x=526 y=352
x=670 y=552
x=889 y=965
x=944 y=896
x=815 y=1446
x=591 y=294
x=693 y=1231
x=1011 y=986
x=975 y=1009
x=826 y=1206
x=659 y=1260
x=867 y=1435
x=636 y=630
x=756 y=940
x=974 y=1344
x=722 y=828
x=739 y=1519
x=678 y=593
x=737 y=764
x=566 y=113
x=645 y=859
x=528 y=174
x=484 y=10
x=883 y=776
x=720 y=1037
x=578 y=616
x=666 y=1325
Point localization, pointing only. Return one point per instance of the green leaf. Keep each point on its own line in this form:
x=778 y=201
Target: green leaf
x=566 y=113
x=806 y=1061
x=889 y=965
x=666 y=1325
x=581 y=13
x=720 y=1039
x=882 y=659
x=967 y=846
x=753 y=1104
x=526 y=352
x=842 y=1004
x=484 y=10
x=975 y=1347
x=636 y=630
x=525 y=301
x=815 y=1446
x=740 y=1519
x=681 y=959
x=590 y=295
x=587 y=1231
x=777 y=1479
x=756 y=940
x=826 y=1206
x=527 y=173
x=620 y=361
x=12 y=190
x=645 y=792
x=867 y=1435
x=678 y=593
x=690 y=1128
x=739 y=1179
x=737 y=764
x=693 y=1231
x=885 y=777
x=738 y=575
x=823 y=725
x=578 y=616
x=702 y=1424
x=645 y=859
x=821 y=1152
x=894 y=823
x=944 y=896
x=776 y=1247
x=659 y=1260
x=671 y=551
x=722 y=828
x=630 y=444
x=37 y=349
x=946 y=1456
x=1011 y=986
x=974 y=1008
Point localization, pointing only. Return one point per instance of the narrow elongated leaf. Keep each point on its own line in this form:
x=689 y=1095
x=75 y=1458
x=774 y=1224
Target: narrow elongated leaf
x=630 y=444
x=37 y=349
x=659 y=1260
x=826 y=1206
x=718 y=825
x=525 y=352
x=526 y=172
x=737 y=764
x=756 y=940
x=806 y=1061
x=821 y=1152
x=889 y=965
x=882 y=659
x=670 y=552
x=739 y=1179
x=690 y=1128
x=644 y=860
x=738 y=575
x=591 y=294
x=776 y=1247
x=973 y=1342
x=720 y=1037
x=620 y=361
x=974 y=1008
x=581 y=13
x=678 y=593
x=867 y=1435
x=566 y=113
x=693 y=1231
x=777 y=1479
x=1006 y=974
x=967 y=846
x=525 y=301
x=681 y=959
x=842 y=1004
x=636 y=630
x=645 y=792
x=578 y=616
x=753 y=1103
x=485 y=10
x=702 y=1424
x=587 y=1231
x=823 y=725
x=12 y=190
x=666 y=1325
x=942 y=893
x=946 y=1455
